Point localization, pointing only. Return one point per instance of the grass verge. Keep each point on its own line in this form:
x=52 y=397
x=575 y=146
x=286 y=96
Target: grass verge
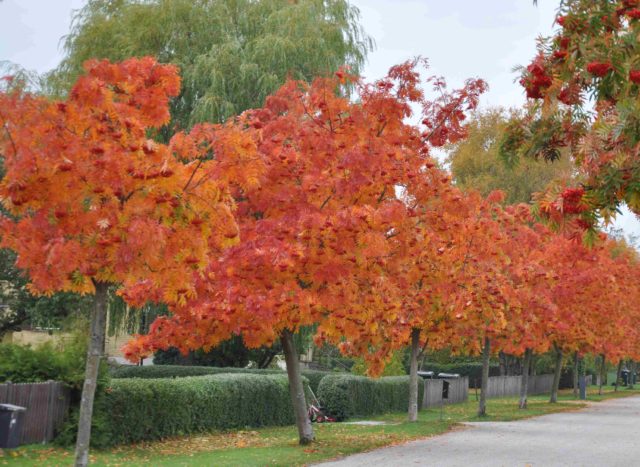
x=278 y=446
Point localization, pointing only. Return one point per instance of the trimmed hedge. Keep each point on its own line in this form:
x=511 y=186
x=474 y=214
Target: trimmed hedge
x=147 y=409
x=345 y=396
x=179 y=371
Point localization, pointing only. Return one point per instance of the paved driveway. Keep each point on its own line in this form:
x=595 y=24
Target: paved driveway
x=604 y=434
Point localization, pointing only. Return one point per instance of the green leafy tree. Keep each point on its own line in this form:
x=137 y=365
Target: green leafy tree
x=231 y=53
x=476 y=162
x=395 y=366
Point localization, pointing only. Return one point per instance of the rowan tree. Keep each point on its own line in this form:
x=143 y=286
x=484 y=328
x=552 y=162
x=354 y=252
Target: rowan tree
x=530 y=271
x=583 y=88
x=94 y=203
x=318 y=231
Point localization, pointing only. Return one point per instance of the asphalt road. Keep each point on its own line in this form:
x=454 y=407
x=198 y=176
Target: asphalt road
x=604 y=434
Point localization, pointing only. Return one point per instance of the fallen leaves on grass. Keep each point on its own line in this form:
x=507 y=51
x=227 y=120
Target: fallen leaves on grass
x=197 y=443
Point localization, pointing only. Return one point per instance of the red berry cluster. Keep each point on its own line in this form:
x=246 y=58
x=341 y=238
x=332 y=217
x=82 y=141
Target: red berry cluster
x=572 y=201
x=536 y=80
x=599 y=69
x=633 y=14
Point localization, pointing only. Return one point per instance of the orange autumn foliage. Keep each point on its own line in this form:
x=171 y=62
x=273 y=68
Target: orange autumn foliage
x=319 y=231
x=93 y=199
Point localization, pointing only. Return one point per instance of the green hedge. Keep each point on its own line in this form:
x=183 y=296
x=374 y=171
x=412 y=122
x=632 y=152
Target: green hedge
x=345 y=396
x=179 y=371
x=147 y=409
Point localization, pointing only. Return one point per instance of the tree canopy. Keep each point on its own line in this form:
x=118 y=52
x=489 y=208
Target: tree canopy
x=231 y=53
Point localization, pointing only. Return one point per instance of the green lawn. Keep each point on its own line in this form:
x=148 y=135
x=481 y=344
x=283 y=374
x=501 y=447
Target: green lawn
x=278 y=446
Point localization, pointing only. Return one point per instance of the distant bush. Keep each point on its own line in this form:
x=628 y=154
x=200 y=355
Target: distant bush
x=64 y=362
x=345 y=396
x=179 y=371
x=147 y=409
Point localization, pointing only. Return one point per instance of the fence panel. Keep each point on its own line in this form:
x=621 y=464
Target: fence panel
x=458 y=390
x=540 y=384
x=47 y=406
x=432 y=393
x=508 y=386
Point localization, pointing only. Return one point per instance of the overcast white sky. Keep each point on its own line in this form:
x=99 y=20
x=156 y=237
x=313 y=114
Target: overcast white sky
x=461 y=39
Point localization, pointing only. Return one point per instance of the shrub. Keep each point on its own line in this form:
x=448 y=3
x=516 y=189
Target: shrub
x=63 y=361
x=179 y=371
x=146 y=409
x=345 y=396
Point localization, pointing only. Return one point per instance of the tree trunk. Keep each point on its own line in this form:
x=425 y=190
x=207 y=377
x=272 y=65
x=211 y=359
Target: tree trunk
x=576 y=367
x=502 y=363
x=296 y=389
x=266 y=360
x=602 y=373
x=95 y=352
x=556 y=376
x=632 y=369
x=486 y=353
x=524 y=386
x=413 y=375
x=618 y=375
x=424 y=357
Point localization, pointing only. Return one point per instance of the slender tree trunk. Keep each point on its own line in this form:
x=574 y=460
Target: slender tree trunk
x=632 y=369
x=413 y=375
x=618 y=374
x=524 y=386
x=502 y=363
x=95 y=352
x=533 y=365
x=424 y=357
x=486 y=353
x=296 y=389
x=576 y=367
x=602 y=373
x=556 y=376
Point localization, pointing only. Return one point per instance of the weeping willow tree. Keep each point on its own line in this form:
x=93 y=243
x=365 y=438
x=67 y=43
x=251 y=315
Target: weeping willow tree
x=232 y=53
x=123 y=319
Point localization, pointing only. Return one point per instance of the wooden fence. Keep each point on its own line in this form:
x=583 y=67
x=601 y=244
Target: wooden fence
x=457 y=391
x=506 y=386
x=47 y=406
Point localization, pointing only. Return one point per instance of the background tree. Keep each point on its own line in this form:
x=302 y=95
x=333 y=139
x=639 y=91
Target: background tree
x=231 y=53
x=476 y=163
